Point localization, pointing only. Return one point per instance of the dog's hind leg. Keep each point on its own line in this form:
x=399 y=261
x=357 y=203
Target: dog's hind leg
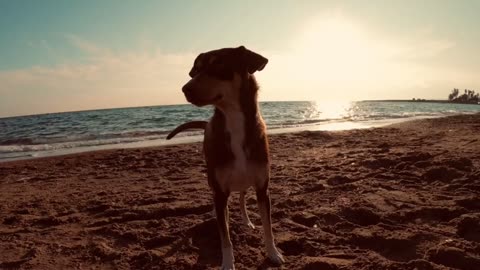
x=263 y=200
x=243 y=210
x=221 y=210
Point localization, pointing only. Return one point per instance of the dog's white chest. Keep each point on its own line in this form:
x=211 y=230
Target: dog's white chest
x=232 y=178
x=240 y=174
x=235 y=125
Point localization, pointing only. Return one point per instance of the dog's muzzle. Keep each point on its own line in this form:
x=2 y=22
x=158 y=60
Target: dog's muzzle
x=198 y=101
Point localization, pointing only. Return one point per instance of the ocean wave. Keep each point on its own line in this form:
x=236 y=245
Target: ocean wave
x=65 y=143
x=81 y=138
x=16 y=155
x=313 y=121
x=16 y=141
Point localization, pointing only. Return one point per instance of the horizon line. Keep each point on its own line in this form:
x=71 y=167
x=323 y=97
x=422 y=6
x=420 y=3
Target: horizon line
x=178 y=104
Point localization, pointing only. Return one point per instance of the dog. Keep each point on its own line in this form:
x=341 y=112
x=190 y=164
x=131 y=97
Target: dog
x=235 y=141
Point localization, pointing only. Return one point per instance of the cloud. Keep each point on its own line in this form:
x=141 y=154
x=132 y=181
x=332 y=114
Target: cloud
x=108 y=80
x=88 y=47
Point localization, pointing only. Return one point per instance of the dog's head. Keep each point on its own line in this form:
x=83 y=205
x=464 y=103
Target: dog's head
x=217 y=75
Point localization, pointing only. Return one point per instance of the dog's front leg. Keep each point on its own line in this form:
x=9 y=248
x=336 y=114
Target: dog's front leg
x=221 y=210
x=263 y=200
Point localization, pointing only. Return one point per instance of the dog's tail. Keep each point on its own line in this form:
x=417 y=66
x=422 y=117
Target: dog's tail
x=188 y=125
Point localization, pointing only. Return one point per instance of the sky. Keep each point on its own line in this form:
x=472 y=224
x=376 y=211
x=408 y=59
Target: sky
x=77 y=55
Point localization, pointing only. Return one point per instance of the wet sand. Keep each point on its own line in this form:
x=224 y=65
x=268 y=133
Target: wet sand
x=405 y=196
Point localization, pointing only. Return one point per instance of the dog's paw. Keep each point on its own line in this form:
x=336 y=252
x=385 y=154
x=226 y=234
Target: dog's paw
x=227 y=260
x=276 y=257
x=228 y=266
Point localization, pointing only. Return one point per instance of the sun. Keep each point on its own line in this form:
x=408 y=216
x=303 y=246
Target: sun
x=332 y=58
x=335 y=46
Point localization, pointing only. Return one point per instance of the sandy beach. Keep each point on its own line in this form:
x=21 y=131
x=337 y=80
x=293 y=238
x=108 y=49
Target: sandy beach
x=405 y=196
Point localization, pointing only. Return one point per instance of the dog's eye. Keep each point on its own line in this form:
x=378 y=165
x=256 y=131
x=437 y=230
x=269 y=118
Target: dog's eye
x=193 y=72
x=217 y=65
x=220 y=71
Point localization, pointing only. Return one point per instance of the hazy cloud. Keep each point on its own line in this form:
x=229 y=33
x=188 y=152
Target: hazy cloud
x=107 y=80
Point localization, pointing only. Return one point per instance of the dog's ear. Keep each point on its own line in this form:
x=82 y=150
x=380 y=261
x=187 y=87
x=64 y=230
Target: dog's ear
x=253 y=61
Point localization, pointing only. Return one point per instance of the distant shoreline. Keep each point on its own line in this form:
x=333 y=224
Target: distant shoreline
x=419 y=100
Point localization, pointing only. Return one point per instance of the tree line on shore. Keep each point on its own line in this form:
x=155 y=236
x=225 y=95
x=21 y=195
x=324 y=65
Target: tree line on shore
x=469 y=96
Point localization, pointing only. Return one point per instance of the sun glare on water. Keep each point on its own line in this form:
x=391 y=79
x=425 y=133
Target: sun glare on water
x=333 y=109
x=343 y=114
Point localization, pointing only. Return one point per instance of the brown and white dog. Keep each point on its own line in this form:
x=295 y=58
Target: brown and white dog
x=235 y=142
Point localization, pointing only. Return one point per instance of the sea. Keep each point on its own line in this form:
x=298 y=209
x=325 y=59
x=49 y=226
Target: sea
x=52 y=134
